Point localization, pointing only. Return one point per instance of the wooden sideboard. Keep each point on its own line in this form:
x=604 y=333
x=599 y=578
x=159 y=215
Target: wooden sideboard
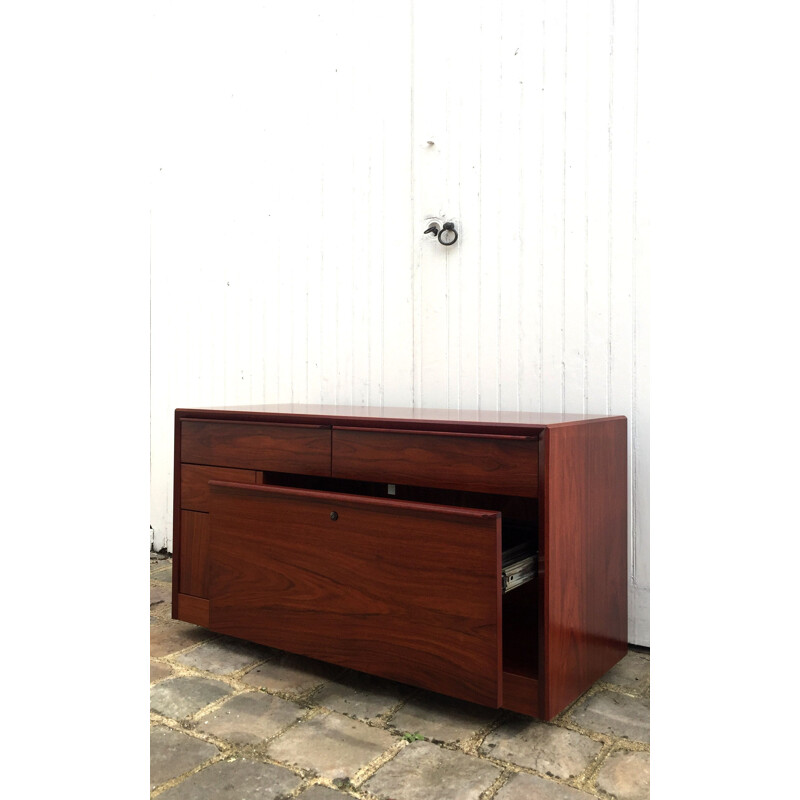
x=374 y=539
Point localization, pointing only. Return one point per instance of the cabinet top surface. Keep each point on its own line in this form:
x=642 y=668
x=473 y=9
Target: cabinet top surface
x=301 y=412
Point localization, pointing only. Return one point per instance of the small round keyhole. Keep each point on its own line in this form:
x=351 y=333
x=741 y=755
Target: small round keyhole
x=334 y=516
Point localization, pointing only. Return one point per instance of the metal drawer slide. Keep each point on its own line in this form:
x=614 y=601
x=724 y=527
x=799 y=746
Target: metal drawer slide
x=519 y=566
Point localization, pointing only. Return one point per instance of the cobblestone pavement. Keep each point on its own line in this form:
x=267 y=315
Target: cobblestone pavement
x=233 y=720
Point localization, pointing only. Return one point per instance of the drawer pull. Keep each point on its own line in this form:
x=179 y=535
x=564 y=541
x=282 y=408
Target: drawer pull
x=334 y=516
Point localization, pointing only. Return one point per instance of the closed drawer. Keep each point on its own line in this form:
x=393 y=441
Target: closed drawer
x=257 y=446
x=406 y=591
x=195 y=495
x=470 y=462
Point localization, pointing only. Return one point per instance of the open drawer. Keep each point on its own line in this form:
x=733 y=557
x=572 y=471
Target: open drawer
x=408 y=591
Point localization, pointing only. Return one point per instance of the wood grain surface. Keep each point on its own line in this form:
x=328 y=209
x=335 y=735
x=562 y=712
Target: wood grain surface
x=478 y=463
x=195 y=495
x=584 y=550
x=406 y=591
x=288 y=448
x=193 y=565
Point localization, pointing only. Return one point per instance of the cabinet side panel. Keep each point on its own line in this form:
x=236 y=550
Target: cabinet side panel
x=585 y=557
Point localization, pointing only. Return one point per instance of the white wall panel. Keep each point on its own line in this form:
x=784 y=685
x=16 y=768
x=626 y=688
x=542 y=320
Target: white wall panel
x=294 y=180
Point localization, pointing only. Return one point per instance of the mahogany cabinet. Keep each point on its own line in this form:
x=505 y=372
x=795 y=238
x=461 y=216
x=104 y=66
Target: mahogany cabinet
x=375 y=539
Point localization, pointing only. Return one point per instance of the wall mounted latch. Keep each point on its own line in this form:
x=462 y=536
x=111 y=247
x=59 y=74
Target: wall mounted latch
x=448 y=234
x=445 y=232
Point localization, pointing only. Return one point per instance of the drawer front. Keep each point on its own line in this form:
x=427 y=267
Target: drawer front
x=409 y=592
x=257 y=446
x=495 y=464
x=195 y=495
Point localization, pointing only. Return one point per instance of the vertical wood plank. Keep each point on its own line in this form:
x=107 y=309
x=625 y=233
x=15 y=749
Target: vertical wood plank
x=430 y=196
x=622 y=239
x=330 y=179
x=553 y=176
x=397 y=310
x=600 y=98
x=622 y=211
x=639 y=599
x=463 y=203
x=532 y=53
x=509 y=232
x=575 y=209
x=491 y=201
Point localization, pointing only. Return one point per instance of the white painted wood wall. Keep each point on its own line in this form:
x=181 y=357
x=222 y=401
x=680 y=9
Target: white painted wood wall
x=294 y=175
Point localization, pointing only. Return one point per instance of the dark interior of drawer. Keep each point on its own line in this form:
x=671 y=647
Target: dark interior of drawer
x=520 y=514
x=520 y=526
x=520 y=631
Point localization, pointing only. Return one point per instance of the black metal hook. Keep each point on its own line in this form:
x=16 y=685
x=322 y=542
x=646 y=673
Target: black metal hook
x=433 y=228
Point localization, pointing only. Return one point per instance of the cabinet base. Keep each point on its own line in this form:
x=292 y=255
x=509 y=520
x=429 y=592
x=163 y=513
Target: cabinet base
x=521 y=694
x=192 y=609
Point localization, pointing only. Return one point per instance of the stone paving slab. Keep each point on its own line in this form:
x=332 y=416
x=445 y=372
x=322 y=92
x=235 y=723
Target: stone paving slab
x=531 y=787
x=331 y=745
x=290 y=674
x=236 y=780
x=171 y=636
x=543 y=747
x=164 y=574
x=160 y=594
x=625 y=775
x=173 y=753
x=632 y=673
x=423 y=771
x=250 y=718
x=321 y=793
x=362 y=696
x=224 y=655
x=159 y=671
x=615 y=713
x=178 y=698
x=444 y=719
